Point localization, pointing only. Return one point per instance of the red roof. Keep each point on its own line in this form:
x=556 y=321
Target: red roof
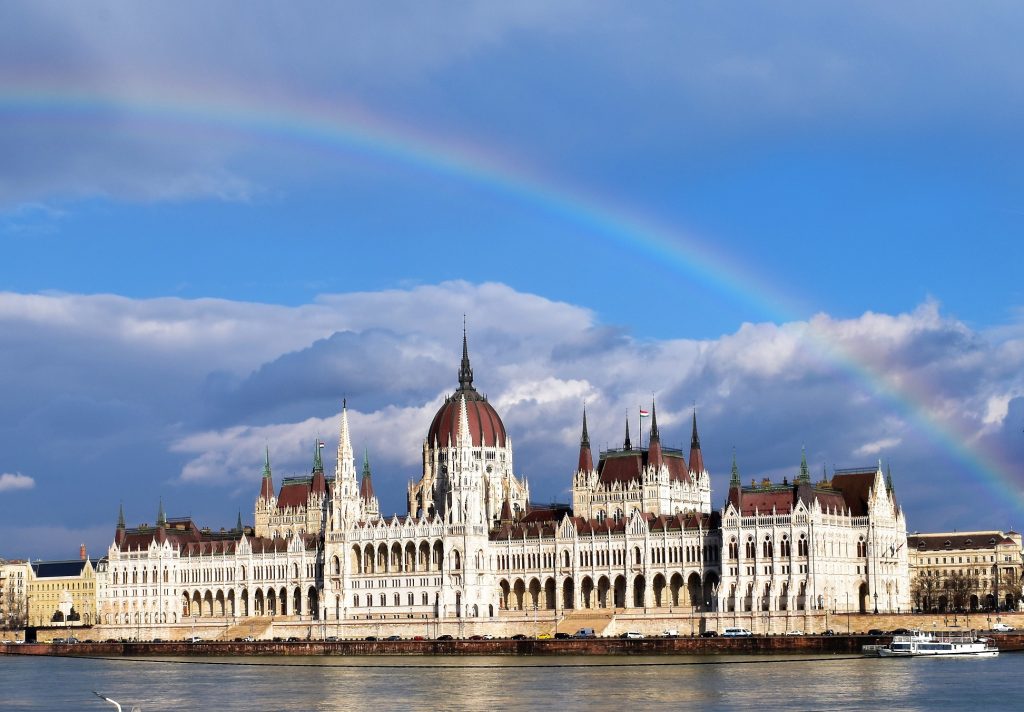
x=294 y=493
x=854 y=486
x=625 y=466
x=485 y=427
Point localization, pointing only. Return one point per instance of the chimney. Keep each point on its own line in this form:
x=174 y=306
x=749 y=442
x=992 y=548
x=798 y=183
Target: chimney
x=81 y=552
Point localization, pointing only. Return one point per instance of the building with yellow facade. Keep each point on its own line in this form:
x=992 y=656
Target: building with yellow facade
x=62 y=592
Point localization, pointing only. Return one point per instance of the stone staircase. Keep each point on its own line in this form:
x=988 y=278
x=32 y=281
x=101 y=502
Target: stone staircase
x=597 y=618
x=256 y=627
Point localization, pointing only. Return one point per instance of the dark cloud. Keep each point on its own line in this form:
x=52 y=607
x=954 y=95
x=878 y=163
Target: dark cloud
x=110 y=399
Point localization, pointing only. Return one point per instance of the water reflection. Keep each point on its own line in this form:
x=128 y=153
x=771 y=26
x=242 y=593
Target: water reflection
x=425 y=683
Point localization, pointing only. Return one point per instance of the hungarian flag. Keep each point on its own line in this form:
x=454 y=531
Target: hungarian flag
x=644 y=413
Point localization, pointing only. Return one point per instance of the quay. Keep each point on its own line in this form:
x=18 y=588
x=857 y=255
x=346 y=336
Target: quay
x=757 y=644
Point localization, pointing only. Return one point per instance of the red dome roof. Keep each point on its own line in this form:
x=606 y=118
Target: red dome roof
x=485 y=427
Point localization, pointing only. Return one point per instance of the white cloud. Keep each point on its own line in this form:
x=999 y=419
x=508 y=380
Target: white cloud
x=15 y=481
x=184 y=395
x=878 y=446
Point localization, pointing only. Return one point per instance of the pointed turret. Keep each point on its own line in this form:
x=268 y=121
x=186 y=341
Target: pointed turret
x=805 y=474
x=734 y=480
x=696 y=458
x=345 y=470
x=366 y=485
x=586 y=462
x=465 y=439
x=319 y=484
x=161 y=518
x=465 y=370
x=267 y=486
x=654 y=456
x=627 y=445
x=888 y=479
x=238 y=523
x=119 y=534
x=506 y=512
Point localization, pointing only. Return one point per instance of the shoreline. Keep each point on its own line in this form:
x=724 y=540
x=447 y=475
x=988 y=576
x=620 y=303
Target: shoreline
x=754 y=645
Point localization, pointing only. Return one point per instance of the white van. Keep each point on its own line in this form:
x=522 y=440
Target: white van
x=585 y=633
x=736 y=633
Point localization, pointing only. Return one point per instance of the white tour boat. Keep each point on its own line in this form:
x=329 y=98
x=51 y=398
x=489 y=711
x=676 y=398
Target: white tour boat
x=919 y=644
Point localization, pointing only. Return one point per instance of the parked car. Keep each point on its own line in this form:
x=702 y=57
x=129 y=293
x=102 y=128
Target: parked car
x=632 y=635
x=519 y=636
x=670 y=633
x=292 y=639
x=709 y=634
x=829 y=631
x=585 y=633
x=561 y=635
x=193 y=639
x=418 y=637
x=876 y=631
x=329 y=639
x=487 y=636
x=446 y=636
x=476 y=637
x=250 y=639
x=544 y=636
x=1002 y=627
x=393 y=637
x=372 y=638
x=736 y=633
x=58 y=641
x=900 y=631
x=794 y=632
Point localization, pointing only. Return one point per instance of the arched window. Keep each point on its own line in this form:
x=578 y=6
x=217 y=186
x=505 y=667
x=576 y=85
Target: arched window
x=601 y=515
x=355 y=600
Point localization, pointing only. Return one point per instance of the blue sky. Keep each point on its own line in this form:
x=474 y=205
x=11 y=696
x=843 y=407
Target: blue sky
x=218 y=219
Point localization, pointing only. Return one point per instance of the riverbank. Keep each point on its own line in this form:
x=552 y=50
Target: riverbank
x=799 y=644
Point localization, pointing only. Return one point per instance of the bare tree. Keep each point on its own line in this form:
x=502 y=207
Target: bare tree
x=923 y=588
x=959 y=585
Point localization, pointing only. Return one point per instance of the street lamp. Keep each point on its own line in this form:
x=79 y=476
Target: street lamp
x=847 y=612
x=876 y=603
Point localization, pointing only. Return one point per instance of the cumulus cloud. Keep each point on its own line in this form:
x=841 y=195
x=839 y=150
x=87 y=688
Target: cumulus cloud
x=133 y=398
x=15 y=481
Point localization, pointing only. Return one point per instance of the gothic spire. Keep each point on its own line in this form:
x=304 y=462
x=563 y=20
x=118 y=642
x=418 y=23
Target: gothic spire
x=318 y=463
x=627 y=445
x=734 y=481
x=120 y=516
x=805 y=474
x=465 y=370
x=696 y=464
x=586 y=462
x=888 y=478
x=366 y=486
x=267 y=485
x=654 y=457
x=161 y=518
x=238 y=524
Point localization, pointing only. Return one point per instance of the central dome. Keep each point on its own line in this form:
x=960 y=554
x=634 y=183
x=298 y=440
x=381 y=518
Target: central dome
x=485 y=427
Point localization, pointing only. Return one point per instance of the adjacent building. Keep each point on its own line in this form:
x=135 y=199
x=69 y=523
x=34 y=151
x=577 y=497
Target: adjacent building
x=62 y=592
x=955 y=571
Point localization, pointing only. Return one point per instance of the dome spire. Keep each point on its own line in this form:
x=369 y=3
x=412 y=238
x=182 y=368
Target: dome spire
x=696 y=463
x=627 y=445
x=465 y=370
x=586 y=461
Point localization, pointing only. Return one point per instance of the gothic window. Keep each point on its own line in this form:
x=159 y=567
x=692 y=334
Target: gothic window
x=734 y=549
x=398 y=599
x=355 y=600
x=618 y=515
x=801 y=546
x=383 y=599
x=768 y=549
x=424 y=599
x=751 y=548
x=601 y=516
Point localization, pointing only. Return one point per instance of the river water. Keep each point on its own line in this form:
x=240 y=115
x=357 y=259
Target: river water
x=487 y=683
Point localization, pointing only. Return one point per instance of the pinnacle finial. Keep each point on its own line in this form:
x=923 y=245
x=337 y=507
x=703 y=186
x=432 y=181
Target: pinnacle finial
x=654 y=436
x=266 y=464
x=120 y=516
x=465 y=370
x=694 y=438
x=366 y=463
x=238 y=524
x=805 y=473
x=318 y=463
x=734 y=481
x=627 y=445
x=585 y=439
x=161 y=518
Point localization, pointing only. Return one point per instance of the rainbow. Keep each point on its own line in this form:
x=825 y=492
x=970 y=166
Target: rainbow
x=352 y=130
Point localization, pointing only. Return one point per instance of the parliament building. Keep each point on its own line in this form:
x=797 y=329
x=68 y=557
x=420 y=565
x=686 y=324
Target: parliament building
x=640 y=540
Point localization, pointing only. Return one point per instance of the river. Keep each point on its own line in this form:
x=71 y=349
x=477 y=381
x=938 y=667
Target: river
x=483 y=683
